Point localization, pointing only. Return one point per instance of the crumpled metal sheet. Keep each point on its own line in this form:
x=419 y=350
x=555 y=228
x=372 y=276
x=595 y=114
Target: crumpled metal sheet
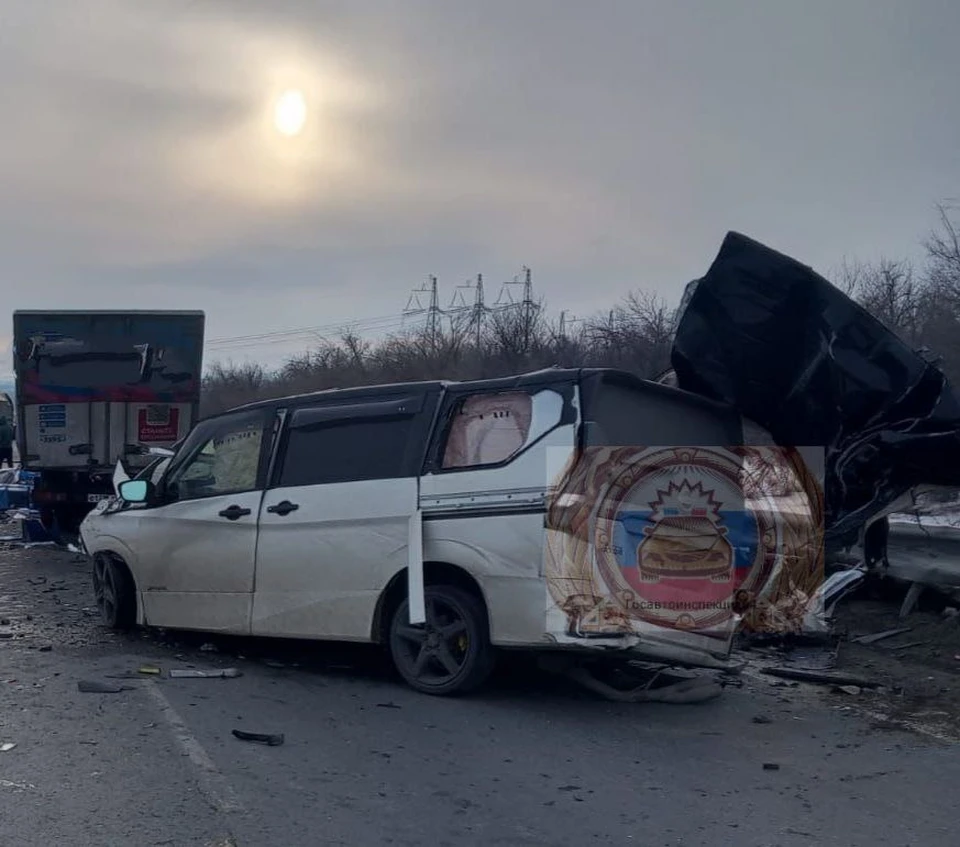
x=769 y=335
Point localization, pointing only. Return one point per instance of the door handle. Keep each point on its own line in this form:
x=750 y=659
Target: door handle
x=284 y=507
x=232 y=513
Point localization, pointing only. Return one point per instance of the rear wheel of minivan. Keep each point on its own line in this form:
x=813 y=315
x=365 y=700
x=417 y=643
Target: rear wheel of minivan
x=449 y=654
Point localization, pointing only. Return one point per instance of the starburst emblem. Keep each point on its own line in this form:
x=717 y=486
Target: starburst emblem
x=686 y=500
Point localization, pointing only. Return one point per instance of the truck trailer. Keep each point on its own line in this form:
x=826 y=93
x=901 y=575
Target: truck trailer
x=97 y=387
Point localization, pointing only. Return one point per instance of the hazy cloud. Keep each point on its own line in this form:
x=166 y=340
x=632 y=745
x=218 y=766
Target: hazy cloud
x=606 y=145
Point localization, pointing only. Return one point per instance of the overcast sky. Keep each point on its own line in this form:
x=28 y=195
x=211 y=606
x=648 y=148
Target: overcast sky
x=608 y=145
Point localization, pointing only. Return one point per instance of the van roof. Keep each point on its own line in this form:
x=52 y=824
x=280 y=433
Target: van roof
x=545 y=376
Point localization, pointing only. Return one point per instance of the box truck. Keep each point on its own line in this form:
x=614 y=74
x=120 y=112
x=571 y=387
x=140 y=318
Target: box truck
x=97 y=387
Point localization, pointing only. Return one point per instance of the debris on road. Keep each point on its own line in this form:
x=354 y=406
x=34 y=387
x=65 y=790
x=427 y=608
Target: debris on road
x=7 y=746
x=817 y=677
x=262 y=738
x=909 y=645
x=674 y=688
x=208 y=648
x=390 y=705
x=771 y=766
x=149 y=670
x=849 y=689
x=19 y=786
x=88 y=686
x=880 y=636
x=196 y=673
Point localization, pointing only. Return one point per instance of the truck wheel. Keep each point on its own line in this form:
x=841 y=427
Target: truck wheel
x=451 y=653
x=115 y=594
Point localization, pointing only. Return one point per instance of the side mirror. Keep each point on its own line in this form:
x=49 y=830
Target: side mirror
x=136 y=490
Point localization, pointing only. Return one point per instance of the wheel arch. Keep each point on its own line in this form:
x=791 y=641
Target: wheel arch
x=121 y=562
x=434 y=573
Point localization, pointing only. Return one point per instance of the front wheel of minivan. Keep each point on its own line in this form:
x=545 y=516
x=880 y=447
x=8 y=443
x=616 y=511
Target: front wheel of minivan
x=115 y=593
x=449 y=654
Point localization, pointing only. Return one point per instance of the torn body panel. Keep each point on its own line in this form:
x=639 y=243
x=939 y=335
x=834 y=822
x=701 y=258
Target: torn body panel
x=768 y=335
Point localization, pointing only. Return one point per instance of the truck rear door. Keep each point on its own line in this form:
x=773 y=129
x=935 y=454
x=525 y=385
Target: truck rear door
x=94 y=387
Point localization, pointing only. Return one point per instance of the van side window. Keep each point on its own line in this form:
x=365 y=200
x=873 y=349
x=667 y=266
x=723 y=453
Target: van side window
x=489 y=429
x=345 y=451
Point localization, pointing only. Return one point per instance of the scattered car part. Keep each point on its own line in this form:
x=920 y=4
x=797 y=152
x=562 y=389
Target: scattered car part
x=272 y=740
x=880 y=636
x=819 y=677
x=88 y=686
x=192 y=673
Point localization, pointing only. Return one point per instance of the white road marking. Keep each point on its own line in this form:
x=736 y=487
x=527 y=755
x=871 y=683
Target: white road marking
x=212 y=783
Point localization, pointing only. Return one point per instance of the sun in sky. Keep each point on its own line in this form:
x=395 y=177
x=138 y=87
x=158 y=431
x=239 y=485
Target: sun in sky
x=290 y=113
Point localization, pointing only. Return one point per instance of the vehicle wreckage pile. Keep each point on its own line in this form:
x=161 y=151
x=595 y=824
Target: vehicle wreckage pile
x=767 y=335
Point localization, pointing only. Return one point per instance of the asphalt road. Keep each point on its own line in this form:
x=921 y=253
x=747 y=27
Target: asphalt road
x=530 y=761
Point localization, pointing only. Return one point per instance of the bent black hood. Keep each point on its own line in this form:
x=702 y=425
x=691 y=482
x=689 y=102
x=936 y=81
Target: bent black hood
x=770 y=336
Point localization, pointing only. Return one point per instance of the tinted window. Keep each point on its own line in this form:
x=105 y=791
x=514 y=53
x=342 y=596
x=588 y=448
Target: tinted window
x=346 y=451
x=223 y=457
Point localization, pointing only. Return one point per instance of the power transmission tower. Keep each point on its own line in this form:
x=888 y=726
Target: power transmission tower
x=528 y=307
x=433 y=314
x=479 y=309
x=432 y=311
x=414 y=304
x=564 y=322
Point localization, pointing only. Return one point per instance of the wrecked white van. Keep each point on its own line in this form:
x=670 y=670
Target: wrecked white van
x=575 y=510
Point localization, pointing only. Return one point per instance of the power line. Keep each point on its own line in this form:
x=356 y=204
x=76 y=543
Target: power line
x=427 y=315
x=281 y=335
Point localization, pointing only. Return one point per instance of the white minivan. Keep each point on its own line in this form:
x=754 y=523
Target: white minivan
x=567 y=509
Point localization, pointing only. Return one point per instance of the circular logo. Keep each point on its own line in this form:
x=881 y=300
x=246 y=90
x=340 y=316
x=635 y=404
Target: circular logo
x=683 y=538
x=679 y=541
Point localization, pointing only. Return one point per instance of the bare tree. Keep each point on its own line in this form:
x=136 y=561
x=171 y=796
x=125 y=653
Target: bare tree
x=891 y=291
x=941 y=311
x=637 y=335
x=943 y=253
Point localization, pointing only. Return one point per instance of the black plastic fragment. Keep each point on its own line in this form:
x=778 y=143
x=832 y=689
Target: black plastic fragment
x=262 y=738
x=92 y=686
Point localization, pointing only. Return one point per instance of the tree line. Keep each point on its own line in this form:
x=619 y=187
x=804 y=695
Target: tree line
x=921 y=303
